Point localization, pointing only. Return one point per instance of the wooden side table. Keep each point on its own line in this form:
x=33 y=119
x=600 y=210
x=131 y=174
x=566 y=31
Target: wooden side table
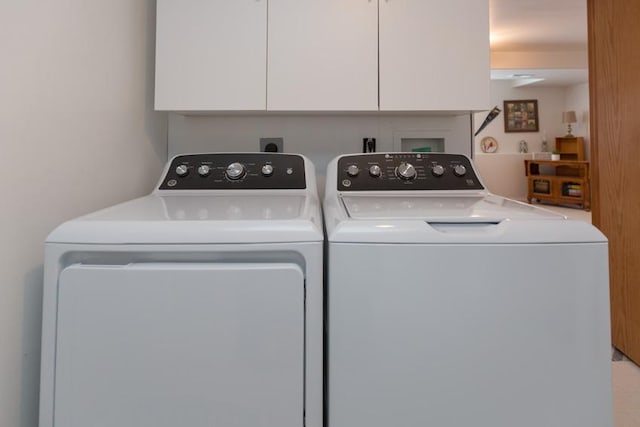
x=558 y=181
x=570 y=148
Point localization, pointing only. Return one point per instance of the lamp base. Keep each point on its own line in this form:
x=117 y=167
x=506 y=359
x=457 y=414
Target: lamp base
x=569 y=134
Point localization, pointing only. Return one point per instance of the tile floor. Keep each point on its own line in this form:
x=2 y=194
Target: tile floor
x=626 y=374
x=626 y=394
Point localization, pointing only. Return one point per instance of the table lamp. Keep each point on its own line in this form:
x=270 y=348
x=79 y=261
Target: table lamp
x=569 y=117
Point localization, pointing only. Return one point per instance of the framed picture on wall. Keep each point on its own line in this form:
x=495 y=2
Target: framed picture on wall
x=521 y=116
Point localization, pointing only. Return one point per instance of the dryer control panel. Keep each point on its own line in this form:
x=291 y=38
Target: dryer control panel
x=233 y=171
x=406 y=171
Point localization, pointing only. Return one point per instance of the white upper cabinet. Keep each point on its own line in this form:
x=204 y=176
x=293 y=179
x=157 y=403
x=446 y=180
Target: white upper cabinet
x=434 y=55
x=211 y=55
x=323 y=55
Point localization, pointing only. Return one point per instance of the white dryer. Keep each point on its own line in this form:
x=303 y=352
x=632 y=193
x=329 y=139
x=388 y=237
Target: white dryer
x=198 y=305
x=449 y=306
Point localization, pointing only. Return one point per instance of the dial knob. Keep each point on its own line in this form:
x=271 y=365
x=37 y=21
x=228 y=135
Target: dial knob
x=459 y=170
x=353 y=170
x=267 y=170
x=182 y=170
x=438 y=170
x=406 y=171
x=235 y=171
x=375 y=171
x=204 y=170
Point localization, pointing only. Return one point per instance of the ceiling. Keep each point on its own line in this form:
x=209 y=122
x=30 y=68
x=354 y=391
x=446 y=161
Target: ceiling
x=542 y=77
x=539 y=26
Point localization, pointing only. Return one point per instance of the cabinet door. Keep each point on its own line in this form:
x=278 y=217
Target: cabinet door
x=434 y=55
x=323 y=55
x=211 y=55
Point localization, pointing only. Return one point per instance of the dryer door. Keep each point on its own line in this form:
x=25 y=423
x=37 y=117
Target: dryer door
x=180 y=344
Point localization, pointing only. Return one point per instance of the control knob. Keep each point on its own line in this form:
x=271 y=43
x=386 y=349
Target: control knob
x=267 y=170
x=438 y=170
x=182 y=170
x=375 y=171
x=406 y=171
x=459 y=170
x=353 y=170
x=204 y=170
x=235 y=171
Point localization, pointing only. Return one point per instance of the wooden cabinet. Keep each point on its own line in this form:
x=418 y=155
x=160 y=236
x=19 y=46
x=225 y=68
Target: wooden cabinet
x=322 y=55
x=570 y=148
x=558 y=181
x=434 y=55
x=211 y=55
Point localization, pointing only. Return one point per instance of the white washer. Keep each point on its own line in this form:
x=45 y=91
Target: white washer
x=449 y=306
x=198 y=305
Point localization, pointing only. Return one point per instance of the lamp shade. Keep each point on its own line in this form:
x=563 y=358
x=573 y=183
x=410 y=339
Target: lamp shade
x=569 y=117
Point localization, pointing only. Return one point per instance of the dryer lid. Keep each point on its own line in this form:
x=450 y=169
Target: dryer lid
x=187 y=219
x=218 y=207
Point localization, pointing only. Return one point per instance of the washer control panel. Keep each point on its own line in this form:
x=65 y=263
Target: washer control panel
x=406 y=171
x=250 y=171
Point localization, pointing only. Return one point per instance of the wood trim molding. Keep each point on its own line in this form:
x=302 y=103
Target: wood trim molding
x=614 y=85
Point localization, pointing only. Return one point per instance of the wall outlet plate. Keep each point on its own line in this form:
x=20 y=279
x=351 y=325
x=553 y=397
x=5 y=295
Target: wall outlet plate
x=368 y=145
x=273 y=145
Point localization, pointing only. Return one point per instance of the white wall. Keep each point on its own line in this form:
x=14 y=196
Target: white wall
x=503 y=172
x=77 y=133
x=320 y=137
x=551 y=104
x=577 y=99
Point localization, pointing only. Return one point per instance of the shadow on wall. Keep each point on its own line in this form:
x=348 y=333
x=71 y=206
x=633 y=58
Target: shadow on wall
x=155 y=122
x=155 y=125
x=31 y=336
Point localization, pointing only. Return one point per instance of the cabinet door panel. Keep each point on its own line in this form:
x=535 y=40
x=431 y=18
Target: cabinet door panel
x=434 y=55
x=211 y=55
x=323 y=55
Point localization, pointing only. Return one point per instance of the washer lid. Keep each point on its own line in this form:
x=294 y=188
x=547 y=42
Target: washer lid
x=259 y=217
x=447 y=208
x=450 y=219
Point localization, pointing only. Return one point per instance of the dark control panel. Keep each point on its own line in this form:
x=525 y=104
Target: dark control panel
x=406 y=171
x=230 y=171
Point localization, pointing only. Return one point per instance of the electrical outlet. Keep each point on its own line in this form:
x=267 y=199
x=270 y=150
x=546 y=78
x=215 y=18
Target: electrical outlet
x=272 y=145
x=368 y=145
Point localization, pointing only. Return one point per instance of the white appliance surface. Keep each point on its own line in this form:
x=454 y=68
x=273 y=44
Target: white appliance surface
x=208 y=217
x=210 y=338
x=450 y=306
x=467 y=208
x=199 y=304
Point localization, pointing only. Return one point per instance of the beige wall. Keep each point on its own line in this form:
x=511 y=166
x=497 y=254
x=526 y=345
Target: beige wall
x=503 y=171
x=551 y=104
x=77 y=133
x=577 y=99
